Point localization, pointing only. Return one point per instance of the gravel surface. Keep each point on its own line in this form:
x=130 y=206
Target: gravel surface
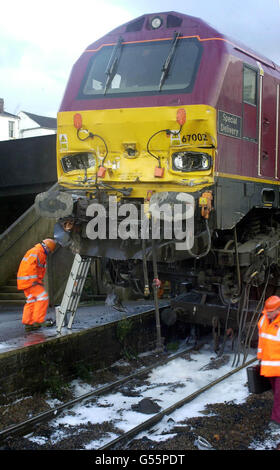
x=226 y=426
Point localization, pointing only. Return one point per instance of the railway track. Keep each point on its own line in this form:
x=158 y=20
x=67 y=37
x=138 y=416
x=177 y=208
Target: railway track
x=29 y=426
x=156 y=418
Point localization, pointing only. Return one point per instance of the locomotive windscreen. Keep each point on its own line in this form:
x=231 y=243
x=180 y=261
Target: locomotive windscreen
x=145 y=67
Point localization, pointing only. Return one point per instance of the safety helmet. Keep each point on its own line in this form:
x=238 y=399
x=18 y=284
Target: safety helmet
x=272 y=303
x=50 y=244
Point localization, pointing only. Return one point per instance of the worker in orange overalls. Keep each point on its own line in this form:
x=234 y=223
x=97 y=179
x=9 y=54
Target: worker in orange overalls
x=269 y=352
x=30 y=277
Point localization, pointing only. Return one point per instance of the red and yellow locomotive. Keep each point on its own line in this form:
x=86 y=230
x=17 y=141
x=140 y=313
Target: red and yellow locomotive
x=166 y=106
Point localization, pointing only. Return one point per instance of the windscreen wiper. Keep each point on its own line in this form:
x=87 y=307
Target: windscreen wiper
x=112 y=65
x=167 y=63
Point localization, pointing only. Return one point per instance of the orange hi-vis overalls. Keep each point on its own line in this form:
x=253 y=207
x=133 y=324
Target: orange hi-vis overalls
x=269 y=346
x=30 y=277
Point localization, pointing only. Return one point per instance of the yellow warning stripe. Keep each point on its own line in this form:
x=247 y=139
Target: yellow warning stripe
x=246 y=178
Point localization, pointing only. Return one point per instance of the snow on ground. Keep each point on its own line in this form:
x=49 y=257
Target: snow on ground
x=187 y=376
x=268 y=444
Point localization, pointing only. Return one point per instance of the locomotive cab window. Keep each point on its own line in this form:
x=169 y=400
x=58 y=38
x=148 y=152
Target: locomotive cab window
x=138 y=68
x=250 y=85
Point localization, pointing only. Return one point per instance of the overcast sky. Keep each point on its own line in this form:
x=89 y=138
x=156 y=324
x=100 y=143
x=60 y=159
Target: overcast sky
x=40 y=41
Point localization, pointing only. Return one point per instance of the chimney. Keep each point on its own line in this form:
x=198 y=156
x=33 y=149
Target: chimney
x=1 y=105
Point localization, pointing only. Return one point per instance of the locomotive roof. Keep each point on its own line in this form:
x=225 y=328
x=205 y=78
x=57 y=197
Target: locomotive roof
x=139 y=29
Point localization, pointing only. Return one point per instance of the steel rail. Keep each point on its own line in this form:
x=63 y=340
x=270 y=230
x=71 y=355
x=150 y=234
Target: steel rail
x=156 y=418
x=29 y=424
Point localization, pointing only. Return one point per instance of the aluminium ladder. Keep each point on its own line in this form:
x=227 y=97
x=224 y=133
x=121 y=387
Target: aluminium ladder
x=73 y=291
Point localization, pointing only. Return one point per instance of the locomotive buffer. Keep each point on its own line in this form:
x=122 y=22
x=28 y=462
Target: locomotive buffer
x=73 y=291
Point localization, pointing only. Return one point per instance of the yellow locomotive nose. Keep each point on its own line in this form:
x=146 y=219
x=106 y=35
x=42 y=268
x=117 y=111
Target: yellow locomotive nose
x=140 y=147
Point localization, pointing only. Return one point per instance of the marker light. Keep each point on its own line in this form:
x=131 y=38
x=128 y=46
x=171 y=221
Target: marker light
x=159 y=172
x=181 y=116
x=78 y=121
x=101 y=172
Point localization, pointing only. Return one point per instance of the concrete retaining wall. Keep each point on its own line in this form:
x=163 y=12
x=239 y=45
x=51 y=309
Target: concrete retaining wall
x=20 y=236
x=30 y=369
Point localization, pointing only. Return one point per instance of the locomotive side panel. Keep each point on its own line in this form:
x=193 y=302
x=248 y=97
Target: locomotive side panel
x=268 y=131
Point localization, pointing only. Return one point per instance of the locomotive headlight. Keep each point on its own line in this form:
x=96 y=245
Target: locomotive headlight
x=191 y=161
x=156 y=22
x=79 y=161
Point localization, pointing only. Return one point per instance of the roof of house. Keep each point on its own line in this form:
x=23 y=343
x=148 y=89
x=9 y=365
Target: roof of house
x=5 y=114
x=42 y=121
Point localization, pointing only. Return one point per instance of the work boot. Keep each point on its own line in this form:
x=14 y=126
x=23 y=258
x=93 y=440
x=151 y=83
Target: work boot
x=28 y=327
x=34 y=326
x=48 y=323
